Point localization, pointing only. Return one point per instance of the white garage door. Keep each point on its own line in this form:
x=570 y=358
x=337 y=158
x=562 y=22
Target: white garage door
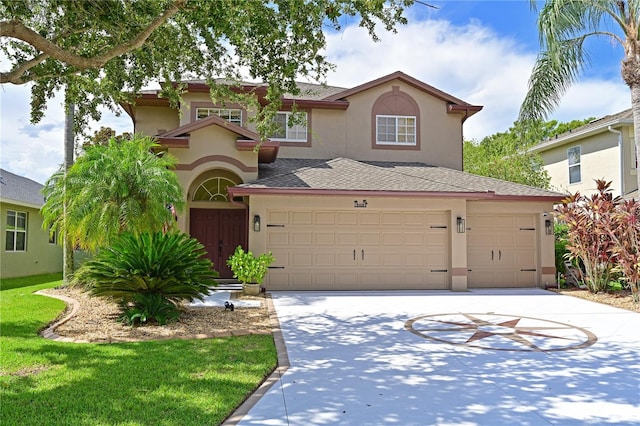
x=358 y=250
x=501 y=251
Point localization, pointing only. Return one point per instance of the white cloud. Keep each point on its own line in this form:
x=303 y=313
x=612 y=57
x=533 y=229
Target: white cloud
x=470 y=62
x=36 y=151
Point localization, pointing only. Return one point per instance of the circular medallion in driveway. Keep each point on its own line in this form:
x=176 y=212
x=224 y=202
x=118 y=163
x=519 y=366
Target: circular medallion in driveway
x=501 y=332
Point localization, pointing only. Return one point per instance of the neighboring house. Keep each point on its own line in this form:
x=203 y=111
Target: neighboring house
x=368 y=194
x=27 y=249
x=601 y=149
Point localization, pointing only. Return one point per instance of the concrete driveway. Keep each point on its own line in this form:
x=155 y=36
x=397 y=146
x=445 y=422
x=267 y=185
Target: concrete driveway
x=485 y=357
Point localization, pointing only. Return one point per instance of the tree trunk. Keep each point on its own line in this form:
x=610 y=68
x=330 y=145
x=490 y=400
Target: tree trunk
x=67 y=244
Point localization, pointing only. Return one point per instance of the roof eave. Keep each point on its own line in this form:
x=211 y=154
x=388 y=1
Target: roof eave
x=485 y=195
x=574 y=136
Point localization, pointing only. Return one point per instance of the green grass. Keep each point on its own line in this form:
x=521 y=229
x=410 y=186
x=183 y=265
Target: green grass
x=175 y=382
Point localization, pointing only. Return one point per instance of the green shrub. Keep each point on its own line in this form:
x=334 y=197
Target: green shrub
x=248 y=268
x=148 y=307
x=561 y=232
x=170 y=266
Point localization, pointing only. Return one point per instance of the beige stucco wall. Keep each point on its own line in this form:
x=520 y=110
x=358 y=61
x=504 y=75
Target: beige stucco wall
x=440 y=132
x=153 y=120
x=599 y=159
x=40 y=257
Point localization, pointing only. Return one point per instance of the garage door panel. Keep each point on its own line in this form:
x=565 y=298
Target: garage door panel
x=438 y=239
x=347 y=239
x=499 y=247
x=360 y=250
x=278 y=217
x=324 y=238
x=325 y=218
x=346 y=218
x=369 y=238
x=299 y=238
x=392 y=238
x=278 y=238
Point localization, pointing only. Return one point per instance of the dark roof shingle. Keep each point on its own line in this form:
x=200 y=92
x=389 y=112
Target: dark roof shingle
x=20 y=189
x=343 y=174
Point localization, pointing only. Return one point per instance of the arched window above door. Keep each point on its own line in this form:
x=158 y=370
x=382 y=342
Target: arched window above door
x=214 y=186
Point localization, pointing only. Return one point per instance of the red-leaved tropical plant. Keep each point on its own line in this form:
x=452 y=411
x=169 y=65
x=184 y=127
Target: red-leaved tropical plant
x=590 y=220
x=625 y=234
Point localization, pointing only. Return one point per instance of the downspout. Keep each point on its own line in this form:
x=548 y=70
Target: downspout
x=619 y=133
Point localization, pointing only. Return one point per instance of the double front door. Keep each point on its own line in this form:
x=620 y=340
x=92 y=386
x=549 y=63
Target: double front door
x=220 y=231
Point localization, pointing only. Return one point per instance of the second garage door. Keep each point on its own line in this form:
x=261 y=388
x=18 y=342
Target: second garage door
x=501 y=251
x=358 y=250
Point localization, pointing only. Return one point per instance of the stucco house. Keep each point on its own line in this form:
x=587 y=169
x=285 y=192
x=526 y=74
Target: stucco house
x=367 y=193
x=27 y=249
x=601 y=149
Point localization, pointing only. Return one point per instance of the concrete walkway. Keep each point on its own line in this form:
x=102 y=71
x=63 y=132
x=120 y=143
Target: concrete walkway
x=486 y=357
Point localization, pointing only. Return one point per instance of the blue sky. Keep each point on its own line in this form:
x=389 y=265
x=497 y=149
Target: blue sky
x=479 y=51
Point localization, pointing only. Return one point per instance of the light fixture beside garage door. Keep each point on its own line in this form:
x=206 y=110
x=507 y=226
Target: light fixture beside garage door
x=460 y=225
x=256 y=223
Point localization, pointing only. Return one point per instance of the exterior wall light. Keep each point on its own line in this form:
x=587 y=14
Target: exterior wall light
x=256 y=223
x=461 y=225
x=548 y=227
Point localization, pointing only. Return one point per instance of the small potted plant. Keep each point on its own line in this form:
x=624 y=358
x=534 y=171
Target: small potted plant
x=249 y=269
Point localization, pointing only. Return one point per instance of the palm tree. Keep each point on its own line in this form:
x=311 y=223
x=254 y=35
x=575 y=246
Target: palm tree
x=114 y=188
x=564 y=26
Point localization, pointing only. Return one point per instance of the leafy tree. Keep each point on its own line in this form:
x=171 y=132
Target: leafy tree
x=506 y=156
x=589 y=221
x=99 y=49
x=564 y=27
x=149 y=274
x=111 y=189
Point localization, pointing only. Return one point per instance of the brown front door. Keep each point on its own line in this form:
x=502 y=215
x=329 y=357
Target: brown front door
x=220 y=231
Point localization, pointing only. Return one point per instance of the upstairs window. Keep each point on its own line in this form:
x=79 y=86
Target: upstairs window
x=231 y=115
x=573 y=156
x=290 y=132
x=395 y=130
x=16 y=236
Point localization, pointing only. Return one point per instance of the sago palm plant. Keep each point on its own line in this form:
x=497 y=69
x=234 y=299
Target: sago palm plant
x=159 y=267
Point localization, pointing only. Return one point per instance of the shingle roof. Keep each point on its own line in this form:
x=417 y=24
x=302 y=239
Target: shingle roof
x=21 y=190
x=343 y=174
x=595 y=126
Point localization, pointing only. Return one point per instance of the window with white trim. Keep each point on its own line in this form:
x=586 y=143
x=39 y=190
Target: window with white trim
x=16 y=235
x=573 y=157
x=288 y=131
x=232 y=115
x=395 y=130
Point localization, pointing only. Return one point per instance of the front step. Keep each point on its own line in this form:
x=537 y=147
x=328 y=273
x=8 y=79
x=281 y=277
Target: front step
x=228 y=285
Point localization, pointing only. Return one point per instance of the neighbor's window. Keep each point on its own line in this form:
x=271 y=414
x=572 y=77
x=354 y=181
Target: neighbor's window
x=573 y=155
x=53 y=236
x=16 y=231
x=395 y=130
x=231 y=115
x=296 y=132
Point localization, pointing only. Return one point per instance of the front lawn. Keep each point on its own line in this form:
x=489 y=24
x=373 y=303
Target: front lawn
x=173 y=382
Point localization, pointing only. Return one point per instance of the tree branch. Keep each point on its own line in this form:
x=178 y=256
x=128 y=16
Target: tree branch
x=16 y=29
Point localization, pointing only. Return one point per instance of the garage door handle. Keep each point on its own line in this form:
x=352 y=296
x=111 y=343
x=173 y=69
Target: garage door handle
x=499 y=254
x=491 y=254
x=354 y=255
x=362 y=254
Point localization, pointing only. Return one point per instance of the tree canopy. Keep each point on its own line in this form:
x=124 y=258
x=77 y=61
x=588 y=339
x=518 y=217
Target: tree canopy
x=100 y=50
x=119 y=187
x=565 y=26
x=506 y=156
